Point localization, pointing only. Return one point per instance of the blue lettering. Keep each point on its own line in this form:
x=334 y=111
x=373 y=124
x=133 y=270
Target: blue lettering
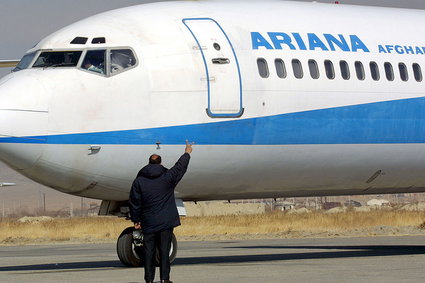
x=279 y=38
x=382 y=49
x=390 y=48
x=399 y=49
x=259 y=41
x=357 y=44
x=419 y=51
x=315 y=42
x=341 y=43
x=299 y=41
x=409 y=50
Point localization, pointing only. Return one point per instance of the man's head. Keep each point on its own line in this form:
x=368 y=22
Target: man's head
x=87 y=64
x=155 y=159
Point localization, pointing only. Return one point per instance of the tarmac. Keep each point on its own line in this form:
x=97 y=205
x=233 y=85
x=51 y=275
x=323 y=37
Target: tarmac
x=380 y=259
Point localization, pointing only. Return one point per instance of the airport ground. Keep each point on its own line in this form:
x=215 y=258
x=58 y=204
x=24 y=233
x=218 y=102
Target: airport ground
x=334 y=245
x=377 y=259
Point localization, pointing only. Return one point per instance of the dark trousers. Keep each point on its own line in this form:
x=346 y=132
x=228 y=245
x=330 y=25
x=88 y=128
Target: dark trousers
x=162 y=242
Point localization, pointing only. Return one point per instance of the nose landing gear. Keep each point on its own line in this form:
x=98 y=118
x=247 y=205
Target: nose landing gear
x=130 y=248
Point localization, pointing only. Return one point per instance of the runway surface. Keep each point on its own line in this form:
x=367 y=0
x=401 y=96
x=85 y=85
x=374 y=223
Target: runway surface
x=384 y=259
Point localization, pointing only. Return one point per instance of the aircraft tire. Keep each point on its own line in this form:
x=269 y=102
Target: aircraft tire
x=128 y=253
x=132 y=256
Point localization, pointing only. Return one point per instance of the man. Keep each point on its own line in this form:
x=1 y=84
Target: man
x=90 y=67
x=153 y=207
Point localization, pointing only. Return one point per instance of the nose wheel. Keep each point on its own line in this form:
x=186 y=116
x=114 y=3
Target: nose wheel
x=130 y=249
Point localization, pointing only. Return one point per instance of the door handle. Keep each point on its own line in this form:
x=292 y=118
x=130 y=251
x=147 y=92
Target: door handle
x=220 y=60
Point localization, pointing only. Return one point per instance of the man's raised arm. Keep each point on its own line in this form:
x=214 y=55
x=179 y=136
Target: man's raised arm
x=177 y=171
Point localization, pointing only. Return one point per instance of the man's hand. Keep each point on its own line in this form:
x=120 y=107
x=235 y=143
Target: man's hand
x=137 y=226
x=189 y=147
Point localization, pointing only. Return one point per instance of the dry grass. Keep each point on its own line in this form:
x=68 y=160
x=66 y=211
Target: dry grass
x=62 y=229
x=307 y=222
x=108 y=228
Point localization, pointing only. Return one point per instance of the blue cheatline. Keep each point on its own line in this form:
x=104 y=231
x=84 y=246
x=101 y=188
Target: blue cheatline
x=398 y=121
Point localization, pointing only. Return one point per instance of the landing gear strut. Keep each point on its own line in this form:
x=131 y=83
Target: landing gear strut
x=130 y=250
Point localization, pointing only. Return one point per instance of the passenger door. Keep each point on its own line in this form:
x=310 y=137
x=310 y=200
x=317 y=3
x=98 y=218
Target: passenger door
x=221 y=66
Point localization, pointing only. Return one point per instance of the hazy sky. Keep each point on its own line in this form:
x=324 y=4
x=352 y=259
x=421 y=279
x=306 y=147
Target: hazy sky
x=25 y=22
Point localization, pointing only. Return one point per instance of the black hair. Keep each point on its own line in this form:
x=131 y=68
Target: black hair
x=155 y=159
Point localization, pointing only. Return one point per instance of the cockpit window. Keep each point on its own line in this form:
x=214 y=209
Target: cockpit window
x=121 y=59
x=95 y=61
x=107 y=62
x=57 y=59
x=25 y=62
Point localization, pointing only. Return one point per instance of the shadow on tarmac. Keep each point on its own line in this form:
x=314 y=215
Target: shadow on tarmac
x=66 y=266
x=335 y=252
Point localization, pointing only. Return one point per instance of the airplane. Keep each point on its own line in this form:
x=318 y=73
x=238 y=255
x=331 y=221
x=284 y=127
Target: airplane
x=8 y=63
x=283 y=99
x=7 y=184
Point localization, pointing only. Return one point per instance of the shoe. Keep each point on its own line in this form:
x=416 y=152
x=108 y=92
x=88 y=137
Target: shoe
x=166 y=281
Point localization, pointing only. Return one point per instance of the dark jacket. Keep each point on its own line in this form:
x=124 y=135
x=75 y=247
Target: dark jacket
x=152 y=199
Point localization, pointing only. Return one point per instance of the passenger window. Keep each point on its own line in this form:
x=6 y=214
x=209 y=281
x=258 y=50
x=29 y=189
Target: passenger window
x=297 y=68
x=389 y=72
x=263 y=68
x=359 y=70
x=95 y=61
x=403 y=72
x=417 y=72
x=121 y=60
x=374 y=71
x=345 y=70
x=314 y=69
x=329 y=68
x=280 y=68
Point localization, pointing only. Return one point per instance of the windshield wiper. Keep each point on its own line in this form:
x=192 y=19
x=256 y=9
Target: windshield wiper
x=55 y=65
x=63 y=65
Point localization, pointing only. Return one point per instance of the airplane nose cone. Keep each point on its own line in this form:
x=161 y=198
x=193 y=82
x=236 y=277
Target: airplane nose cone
x=23 y=121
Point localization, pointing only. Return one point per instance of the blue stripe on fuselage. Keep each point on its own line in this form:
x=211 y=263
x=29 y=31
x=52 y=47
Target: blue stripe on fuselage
x=399 y=121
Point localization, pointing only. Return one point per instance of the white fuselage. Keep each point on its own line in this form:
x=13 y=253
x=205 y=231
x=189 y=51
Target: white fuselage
x=195 y=76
